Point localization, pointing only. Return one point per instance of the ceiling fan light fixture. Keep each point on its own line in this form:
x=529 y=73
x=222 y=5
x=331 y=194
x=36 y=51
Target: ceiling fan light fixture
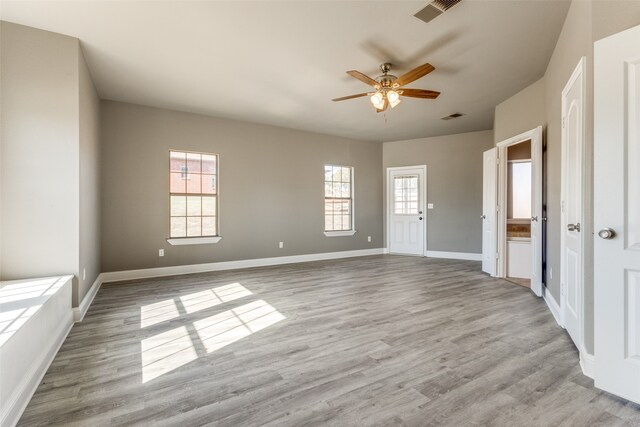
x=377 y=99
x=393 y=97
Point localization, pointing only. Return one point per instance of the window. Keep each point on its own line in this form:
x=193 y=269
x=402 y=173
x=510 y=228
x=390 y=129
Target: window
x=519 y=190
x=193 y=195
x=338 y=201
x=405 y=201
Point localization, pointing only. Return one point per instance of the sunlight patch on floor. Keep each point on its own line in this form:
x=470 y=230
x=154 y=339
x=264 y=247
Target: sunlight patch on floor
x=169 y=350
x=152 y=314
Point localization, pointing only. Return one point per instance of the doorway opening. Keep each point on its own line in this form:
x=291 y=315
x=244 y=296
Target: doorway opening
x=517 y=226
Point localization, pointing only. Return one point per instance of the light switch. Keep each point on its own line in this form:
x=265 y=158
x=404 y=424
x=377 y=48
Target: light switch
x=430 y=206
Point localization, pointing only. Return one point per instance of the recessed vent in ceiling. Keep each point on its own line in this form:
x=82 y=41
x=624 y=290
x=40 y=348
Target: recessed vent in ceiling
x=452 y=116
x=435 y=9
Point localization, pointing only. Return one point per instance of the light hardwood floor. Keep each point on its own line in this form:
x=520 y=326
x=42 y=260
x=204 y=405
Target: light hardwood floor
x=383 y=340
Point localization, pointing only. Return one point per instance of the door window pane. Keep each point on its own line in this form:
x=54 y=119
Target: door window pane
x=406 y=200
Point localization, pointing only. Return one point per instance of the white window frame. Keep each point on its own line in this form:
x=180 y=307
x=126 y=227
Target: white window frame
x=341 y=233
x=197 y=240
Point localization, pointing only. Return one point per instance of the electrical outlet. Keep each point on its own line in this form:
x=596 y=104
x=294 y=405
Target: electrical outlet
x=160 y=252
x=430 y=206
x=368 y=238
x=84 y=274
x=281 y=245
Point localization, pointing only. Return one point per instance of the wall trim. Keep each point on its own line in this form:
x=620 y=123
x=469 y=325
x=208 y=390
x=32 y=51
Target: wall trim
x=115 y=276
x=587 y=363
x=553 y=305
x=31 y=380
x=81 y=310
x=455 y=255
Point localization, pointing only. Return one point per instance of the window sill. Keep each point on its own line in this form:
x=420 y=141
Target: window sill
x=339 y=233
x=194 y=240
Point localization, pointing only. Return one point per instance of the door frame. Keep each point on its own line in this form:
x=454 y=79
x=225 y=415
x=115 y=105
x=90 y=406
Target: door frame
x=579 y=71
x=423 y=197
x=535 y=135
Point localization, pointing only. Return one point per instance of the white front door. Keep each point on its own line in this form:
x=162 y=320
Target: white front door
x=406 y=196
x=617 y=213
x=536 y=211
x=571 y=205
x=489 y=204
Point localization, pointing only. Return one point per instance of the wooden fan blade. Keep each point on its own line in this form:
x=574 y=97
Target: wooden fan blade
x=364 y=78
x=420 y=93
x=384 y=106
x=350 y=97
x=414 y=74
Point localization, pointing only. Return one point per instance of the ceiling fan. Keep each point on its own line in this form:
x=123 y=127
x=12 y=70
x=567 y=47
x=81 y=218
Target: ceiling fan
x=389 y=87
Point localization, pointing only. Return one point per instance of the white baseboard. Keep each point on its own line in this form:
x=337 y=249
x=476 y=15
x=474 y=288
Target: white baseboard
x=115 y=276
x=22 y=394
x=81 y=310
x=455 y=255
x=553 y=305
x=587 y=363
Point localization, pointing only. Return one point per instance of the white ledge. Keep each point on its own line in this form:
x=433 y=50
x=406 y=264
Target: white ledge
x=194 y=240
x=339 y=233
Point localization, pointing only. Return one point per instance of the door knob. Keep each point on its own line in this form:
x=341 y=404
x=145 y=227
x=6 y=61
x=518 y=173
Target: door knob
x=607 y=233
x=573 y=227
x=420 y=218
x=534 y=218
x=483 y=217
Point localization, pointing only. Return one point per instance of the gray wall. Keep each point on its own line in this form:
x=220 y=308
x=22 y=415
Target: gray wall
x=39 y=152
x=49 y=164
x=454 y=185
x=89 y=262
x=586 y=22
x=522 y=112
x=271 y=188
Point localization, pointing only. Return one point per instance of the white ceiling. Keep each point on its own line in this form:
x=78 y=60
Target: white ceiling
x=281 y=62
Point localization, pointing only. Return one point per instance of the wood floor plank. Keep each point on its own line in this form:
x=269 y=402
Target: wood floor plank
x=381 y=340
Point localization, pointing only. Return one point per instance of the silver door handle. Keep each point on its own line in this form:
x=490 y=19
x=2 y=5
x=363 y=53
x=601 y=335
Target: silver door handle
x=607 y=233
x=534 y=218
x=573 y=227
x=483 y=217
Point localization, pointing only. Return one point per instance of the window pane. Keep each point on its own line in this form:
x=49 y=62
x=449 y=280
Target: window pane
x=346 y=174
x=519 y=196
x=337 y=222
x=177 y=161
x=346 y=190
x=337 y=174
x=194 y=226
x=193 y=183
x=208 y=184
x=328 y=222
x=209 y=206
x=208 y=163
x=194 y=206
x=406 y=199
x=178 y=206
x=327 y=173
x=209 y=226
x=336 y=189
x=328 y=189
x=346 y=222
x=178 y=227
x=194 y=163
x=178 y=183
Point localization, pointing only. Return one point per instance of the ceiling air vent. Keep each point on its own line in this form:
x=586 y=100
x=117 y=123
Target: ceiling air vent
x=435 y=9
x=452 y=116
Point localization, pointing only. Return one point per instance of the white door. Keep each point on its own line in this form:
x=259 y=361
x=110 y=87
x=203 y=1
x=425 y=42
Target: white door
x=489 y=204
x=536 y=211
x=406 y=196
x=571 y=205
x=617 y=210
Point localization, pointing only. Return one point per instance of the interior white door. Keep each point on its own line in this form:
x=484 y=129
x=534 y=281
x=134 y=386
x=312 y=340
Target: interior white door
x=571 y=205
x=407 y=194
x=536 y=211
x=617 y=213
x=489 y=214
